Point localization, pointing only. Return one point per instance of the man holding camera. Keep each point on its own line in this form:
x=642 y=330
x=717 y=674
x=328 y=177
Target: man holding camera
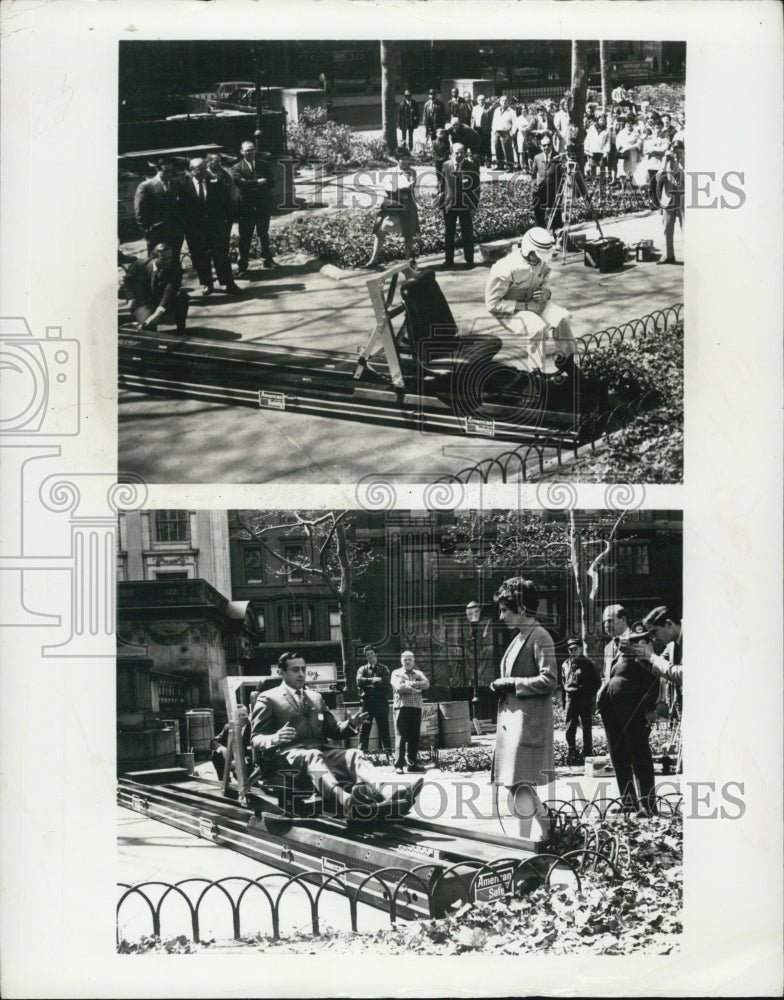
x=625 y=702
x=669 y=184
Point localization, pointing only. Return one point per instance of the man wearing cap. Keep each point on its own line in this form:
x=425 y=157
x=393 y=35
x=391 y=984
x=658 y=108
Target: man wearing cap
x=517 y=294
x=374 y=687
x=624 y=703
x=461 y=198
x=407 y=119
x=667 y=629
x=580 y=684
x=504 y=123
x=434 y=114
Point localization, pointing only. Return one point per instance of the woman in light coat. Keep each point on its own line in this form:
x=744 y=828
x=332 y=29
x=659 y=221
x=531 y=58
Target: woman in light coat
x=523 y=756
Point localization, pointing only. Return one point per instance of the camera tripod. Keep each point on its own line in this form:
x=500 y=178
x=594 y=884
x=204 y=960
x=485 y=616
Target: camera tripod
x=564 y=200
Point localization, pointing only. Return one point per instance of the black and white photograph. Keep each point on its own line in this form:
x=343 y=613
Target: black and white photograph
x=403 y=732
x=383 y=389
x=296 y=300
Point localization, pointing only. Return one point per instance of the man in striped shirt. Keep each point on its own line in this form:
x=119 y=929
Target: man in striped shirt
x=408 y=683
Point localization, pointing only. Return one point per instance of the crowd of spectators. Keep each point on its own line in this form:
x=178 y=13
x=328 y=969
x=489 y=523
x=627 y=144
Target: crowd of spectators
x=626 y=140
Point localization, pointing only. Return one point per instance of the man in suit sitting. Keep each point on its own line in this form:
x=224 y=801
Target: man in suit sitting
x=461 y=198
x=219 y=745
x=290 y=727
x=155 y=289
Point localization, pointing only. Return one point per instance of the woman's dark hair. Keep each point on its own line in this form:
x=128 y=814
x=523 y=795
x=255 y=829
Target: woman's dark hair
x=401 y=151
x=518 y=595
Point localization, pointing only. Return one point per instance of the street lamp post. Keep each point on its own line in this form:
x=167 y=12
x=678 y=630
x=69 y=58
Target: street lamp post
x=473 y=613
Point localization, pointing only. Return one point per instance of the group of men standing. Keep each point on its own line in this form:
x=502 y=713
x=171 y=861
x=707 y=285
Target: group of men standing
x=199 y=208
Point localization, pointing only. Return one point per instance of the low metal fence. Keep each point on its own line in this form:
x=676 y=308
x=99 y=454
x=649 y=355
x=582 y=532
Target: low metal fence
x=579 y=847
x=527 y=463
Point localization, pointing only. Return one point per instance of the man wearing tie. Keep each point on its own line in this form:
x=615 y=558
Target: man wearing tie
x=614 y=623
x=203 y=214
x=255 y=180
x=290 y=726
x=156 y=208
x=545 y=177
x=155 y=290
x=461 y=198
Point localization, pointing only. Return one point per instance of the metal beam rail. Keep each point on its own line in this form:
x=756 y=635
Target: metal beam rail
x=426 y=889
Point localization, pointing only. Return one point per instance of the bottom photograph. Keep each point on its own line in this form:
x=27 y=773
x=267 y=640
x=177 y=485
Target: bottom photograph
x=420 y=732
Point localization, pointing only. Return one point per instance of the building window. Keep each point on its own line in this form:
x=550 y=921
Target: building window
x=295 y=622
x=171 y=526
x=634 y=560
x=295 y=553
x=170 y=575
x=334 y=623
x=253 y=566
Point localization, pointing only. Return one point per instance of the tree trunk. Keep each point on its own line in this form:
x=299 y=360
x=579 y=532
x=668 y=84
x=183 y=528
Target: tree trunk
x=579 y=91
x=344 y=606
x=388 y=90
x=604 y=67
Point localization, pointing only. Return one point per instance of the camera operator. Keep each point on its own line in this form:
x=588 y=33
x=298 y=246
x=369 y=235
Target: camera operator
x=669 y=195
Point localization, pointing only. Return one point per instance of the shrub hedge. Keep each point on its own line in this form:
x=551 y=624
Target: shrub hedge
x=343 y=237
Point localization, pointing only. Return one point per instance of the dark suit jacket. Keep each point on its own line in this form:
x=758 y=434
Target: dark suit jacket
x=632 y=689
x=466 y=135
x=543 y=168
x=461 y=186
x=314 y=724
x=407 y=115
x=154 y=206
x=197 y=215
x=253 y=196
x=223 y=738
x=435 y=116
x=150 y=288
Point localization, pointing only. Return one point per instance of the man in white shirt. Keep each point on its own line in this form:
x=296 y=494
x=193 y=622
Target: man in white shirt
x=504 y=121
x=408 y=683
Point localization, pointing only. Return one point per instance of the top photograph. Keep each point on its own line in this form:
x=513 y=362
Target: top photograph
x=446 y=260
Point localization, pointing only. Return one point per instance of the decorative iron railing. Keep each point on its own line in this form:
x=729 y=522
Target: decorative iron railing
x=526 y=463
x=578 y=847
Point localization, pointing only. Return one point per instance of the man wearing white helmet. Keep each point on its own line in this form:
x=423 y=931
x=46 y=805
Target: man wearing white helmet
x=518 y=296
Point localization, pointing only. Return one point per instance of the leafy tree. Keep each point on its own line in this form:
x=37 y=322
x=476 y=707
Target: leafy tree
x=332 y=555
x=529 y=543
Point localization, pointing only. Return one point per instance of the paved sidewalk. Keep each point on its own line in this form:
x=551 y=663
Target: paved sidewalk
x=304 y=305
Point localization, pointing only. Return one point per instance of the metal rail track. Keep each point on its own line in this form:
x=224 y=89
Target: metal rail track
x=427 y=866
